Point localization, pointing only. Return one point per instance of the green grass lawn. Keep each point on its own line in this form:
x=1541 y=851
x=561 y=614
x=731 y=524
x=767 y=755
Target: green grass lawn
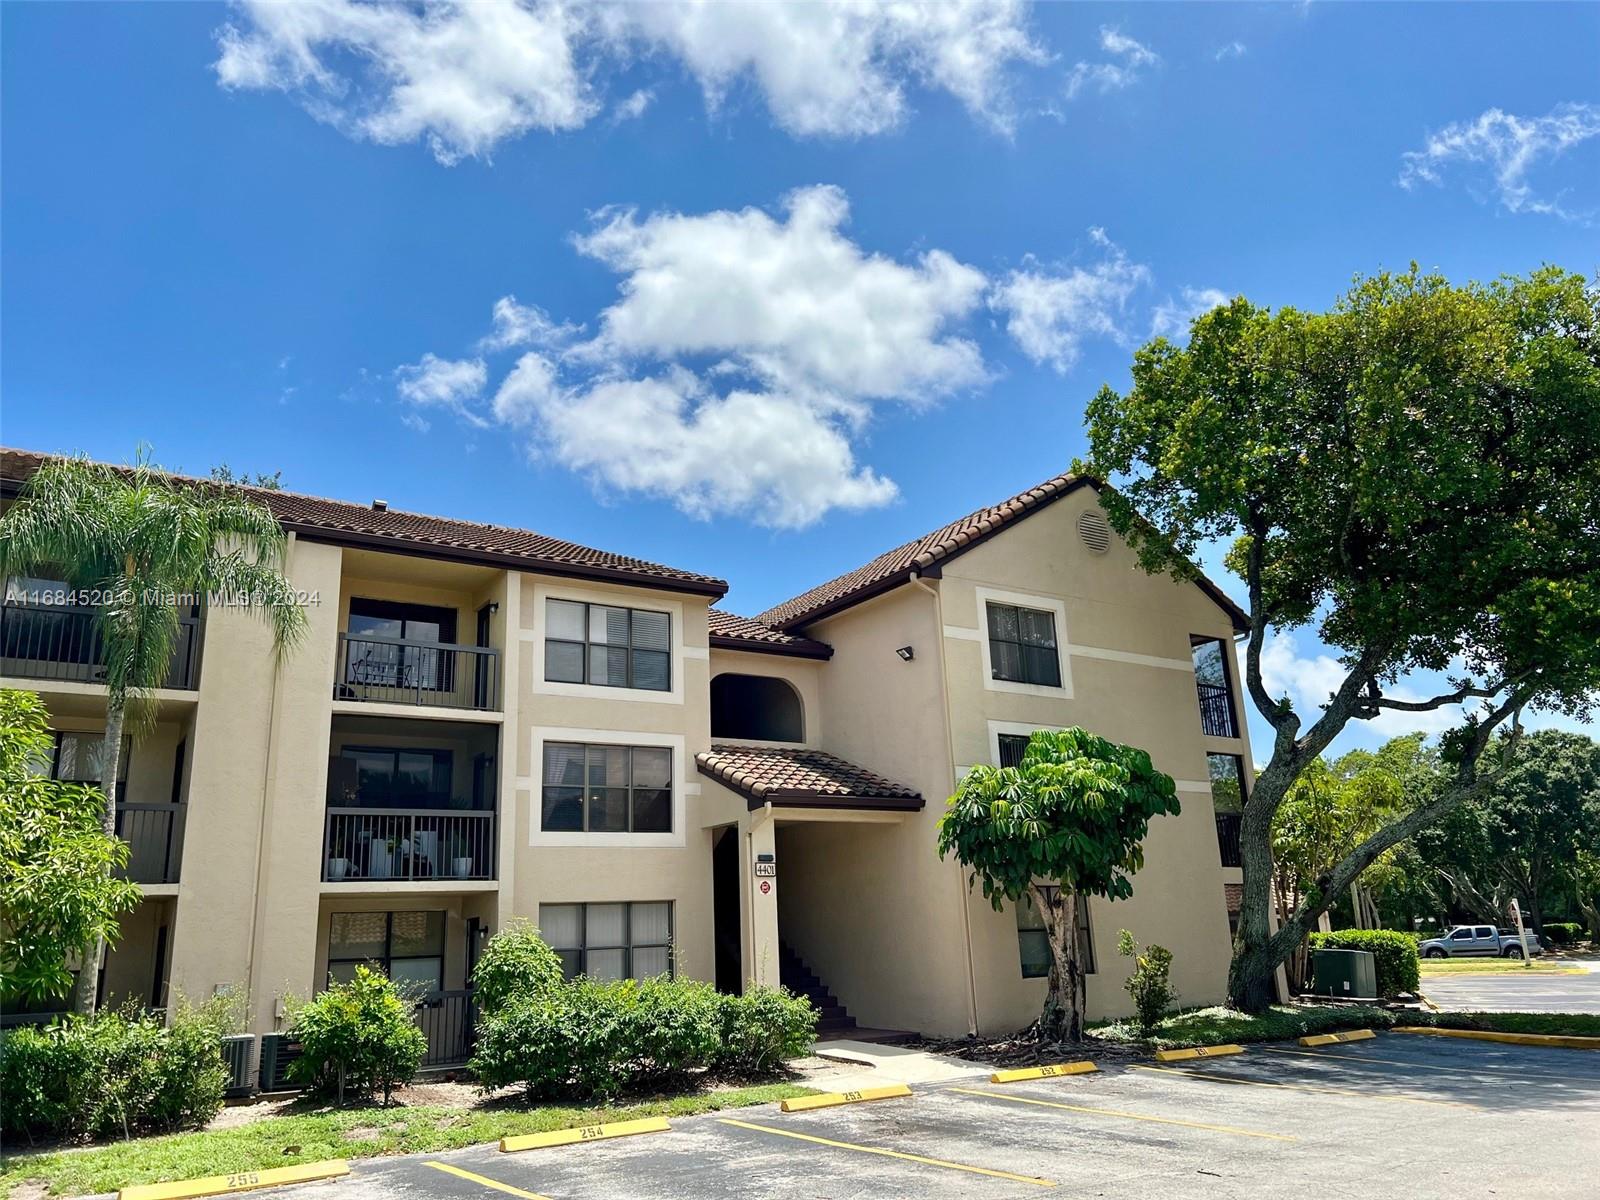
x=336 y=1133
x=1493 y=966
x=1217 y=1026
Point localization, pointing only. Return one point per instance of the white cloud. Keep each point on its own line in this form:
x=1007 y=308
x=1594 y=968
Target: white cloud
x=1231 y=50
x=461 y=76
x=1129 y=58
x=632 y=107
x=1049 y=315
x=792 y=303
x=434 y=382
x=464 y=76
x=1509 y=147
x=530 y=390
x=841 y=67
x=1171 y=318
x=525 y=325
x=765 y=457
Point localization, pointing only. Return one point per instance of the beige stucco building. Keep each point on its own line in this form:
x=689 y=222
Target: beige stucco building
x=484 y=723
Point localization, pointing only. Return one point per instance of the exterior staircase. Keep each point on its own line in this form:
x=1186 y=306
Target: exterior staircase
x=834 y=1021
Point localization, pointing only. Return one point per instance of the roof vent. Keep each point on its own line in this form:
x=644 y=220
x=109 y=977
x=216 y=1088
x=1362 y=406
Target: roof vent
x=1094 y=531
x=380 y=506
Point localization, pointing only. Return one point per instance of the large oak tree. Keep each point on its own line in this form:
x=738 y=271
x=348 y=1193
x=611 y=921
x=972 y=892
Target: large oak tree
x=1416 y=475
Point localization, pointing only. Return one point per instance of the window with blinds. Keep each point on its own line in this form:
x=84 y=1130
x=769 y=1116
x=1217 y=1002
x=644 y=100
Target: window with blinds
x=1022 y=645
x=1034 y=944
x=607 y=646
x=606 y=789
x=610 y=941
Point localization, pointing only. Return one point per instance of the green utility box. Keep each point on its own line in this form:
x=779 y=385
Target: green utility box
x=1344 y=974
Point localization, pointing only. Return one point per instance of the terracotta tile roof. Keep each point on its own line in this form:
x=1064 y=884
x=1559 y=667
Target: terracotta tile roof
x=437 y=537
x=894 y=568
x=731 y=632
x=1233 y=896
x=804 y=778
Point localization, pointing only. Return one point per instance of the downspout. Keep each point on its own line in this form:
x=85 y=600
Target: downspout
x=950 y=757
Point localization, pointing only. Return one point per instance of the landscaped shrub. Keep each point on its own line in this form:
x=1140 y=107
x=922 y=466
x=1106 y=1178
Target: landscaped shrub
x=1394 y=955
x=1150 y=985
x=761 y=1028
x=589 y=1039
x=516 y=963
x=357 y=1038
x=670 y=1027
x=567 y=1041
x=116 y=1073
x=1562 y=933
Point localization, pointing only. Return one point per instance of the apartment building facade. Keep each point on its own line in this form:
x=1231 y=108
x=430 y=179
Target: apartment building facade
x=485 y=723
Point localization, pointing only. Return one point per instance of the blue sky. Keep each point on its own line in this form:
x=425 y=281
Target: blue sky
x=790 y=285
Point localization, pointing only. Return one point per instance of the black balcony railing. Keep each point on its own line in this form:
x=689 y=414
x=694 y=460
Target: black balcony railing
x=154 y=833
x=1228 y=838
x=403 y=843
x=1216 y=711
x=447 y=1020
x=395 y=671
x=62 y=642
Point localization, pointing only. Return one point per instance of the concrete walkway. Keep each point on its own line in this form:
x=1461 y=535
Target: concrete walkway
x=870 y=1064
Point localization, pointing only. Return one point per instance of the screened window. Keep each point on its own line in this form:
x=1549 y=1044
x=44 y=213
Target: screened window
x=1022 y=645
x=1227 y=782
x=387 y=777
x=610 y=941
x=1034 y=943
x=408 y=947
x=607 y=646
x=606 y=789
x=377 y=657
x=1012 y=747
x=80 y=758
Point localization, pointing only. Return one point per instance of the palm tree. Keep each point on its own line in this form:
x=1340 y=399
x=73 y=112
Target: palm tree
x=136 y=537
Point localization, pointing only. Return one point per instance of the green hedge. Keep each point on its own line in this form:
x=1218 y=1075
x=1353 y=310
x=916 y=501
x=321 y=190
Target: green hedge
x=591 y=1039
x=1562 y=933
x=1394 y=954
x=115 y=1073
x=515 y=963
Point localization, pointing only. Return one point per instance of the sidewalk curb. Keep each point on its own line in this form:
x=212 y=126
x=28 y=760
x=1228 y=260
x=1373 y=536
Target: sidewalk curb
x=1513 y=1039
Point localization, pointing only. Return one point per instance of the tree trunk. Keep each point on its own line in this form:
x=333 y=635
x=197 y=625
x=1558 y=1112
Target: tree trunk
x=1250 y=972
x=1591 y=916
x=86 y=989
x=1062 y=1019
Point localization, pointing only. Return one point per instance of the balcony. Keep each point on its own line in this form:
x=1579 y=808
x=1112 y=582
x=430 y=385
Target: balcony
x=385 y=670
x=154 y=833
x=1216 y=711
x=407 y=845
x=62 y=642
x=1228 y=838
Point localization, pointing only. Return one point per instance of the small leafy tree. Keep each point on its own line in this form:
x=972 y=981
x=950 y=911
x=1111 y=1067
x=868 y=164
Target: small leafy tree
x=515 y=965
x=357 y=1038
x=134 y=538
x=1415 y=474
x=1150 y=983
x=59 y=894
x=1068 y=822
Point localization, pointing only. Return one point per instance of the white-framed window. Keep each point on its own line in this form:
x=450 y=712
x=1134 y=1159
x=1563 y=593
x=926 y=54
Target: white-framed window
x=622 y=940
x=1033 y=944
x=603 y=643
x=1023 y=639
x=607 y=645
x=606 y=787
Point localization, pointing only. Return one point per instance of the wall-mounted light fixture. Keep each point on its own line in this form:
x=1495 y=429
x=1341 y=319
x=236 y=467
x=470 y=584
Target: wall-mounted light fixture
x=906 y=653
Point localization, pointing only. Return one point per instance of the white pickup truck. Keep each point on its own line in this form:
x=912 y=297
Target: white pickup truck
x=1483 y=940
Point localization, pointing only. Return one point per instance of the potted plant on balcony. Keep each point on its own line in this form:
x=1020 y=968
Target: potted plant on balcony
x=338 y=865
x=381 y=857
x=461 y=860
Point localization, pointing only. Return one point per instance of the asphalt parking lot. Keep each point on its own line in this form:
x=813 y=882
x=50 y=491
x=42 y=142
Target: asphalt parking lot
x=1513 y=991
x=1399 y=1116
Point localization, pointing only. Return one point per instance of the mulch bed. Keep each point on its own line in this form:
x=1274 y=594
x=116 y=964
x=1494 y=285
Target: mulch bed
x=1026 y=1049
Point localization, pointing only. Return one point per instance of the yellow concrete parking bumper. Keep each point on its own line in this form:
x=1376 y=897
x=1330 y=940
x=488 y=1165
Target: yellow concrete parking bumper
x=1047 y=1072
x=1335 y=1039
x=829 y=1099
x=583 y=1133
x=1560 y=1041
x=242 y=1181
x=1198 y=1052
